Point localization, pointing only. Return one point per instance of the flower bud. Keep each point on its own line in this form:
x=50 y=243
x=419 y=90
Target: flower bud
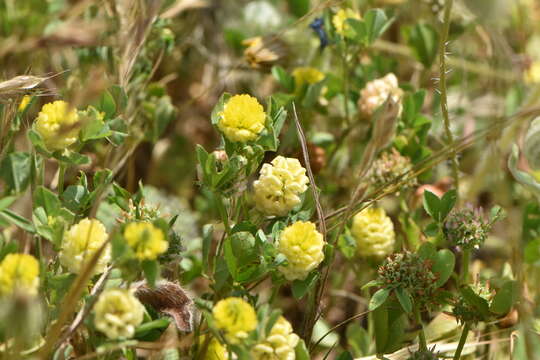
x=242 y=118
x=340 y=18
x=57 y=125
x=146 y=240
x=376 y=92
x=19 y=273
x=280 y=343
x=236 y=317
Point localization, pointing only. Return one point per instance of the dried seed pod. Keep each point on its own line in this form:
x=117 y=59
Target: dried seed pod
x=171 y=299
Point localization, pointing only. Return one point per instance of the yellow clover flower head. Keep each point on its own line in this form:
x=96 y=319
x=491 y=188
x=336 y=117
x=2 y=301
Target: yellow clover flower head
x=279 y=186
x=242 y=118
x=340 y=18
x=118 y=313
x=302 y=245
x=146 y=240
x=280 y=343
x=57 y=125
x=375 y=93
x=306 y=75
x=374 y=233
x=19 y=273
x=215 y=350
x=80 y=244
x=236 y=317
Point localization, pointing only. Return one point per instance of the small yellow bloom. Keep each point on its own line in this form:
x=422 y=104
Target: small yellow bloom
x=118 y=313
x=236 y=317
x=24 y=103
x=146 y=240
x=374 y=233
x=340 y=18
x=376 y=92
x=19 y=273
x=57 y=125
x=242 y=118
x=280 y=343
x=80 y=244
x=302 y=245
x=532 y=75
x=279 y=186
x=215 y=350
x=306 y=75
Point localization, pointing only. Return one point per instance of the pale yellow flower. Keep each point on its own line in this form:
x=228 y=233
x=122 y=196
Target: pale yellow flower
x=242 y=118
x=80 y=244
x=57 y=125
x=376 y=92
x=24 y=103
x=280 y=343
x=215 y=349
x=236 y=317
x=340 y=18
x=303 y=246
x=532 y=75
x=374 y=233
x=279 y=186
x=306 y=75
x=19 y=273
x=118 y=313
x=146 y=240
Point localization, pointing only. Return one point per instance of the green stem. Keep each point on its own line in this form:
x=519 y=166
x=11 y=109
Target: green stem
x=61 y=174
x=465 y=266
x=444 y=100
x=462 y=341
x=421 y=335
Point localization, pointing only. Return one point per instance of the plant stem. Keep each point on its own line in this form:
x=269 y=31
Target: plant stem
x=61 y=174
x=421 y=335
x=444 y=100
x=464 y=278
x=462 y=341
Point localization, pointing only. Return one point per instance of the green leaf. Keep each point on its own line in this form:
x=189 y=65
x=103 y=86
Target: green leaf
x=15 y=171
x=47 y=200
x=15 y=219
x=376 y=23
x=424 y=40
x=71 y=157
x=378 y=298
x=298 y=8
x=427 y=251
x=284 y=79
x=106 y=104
x=370 y=284
x=347 y=245
x=432 y=229
x=301 y=351
x=151 y=271
x=36 y=140
x=6 y=202
x=301 y=287
x=208 y=233
x=447 y=203
x=404 y=299
x=345 y=356
x=443 y=265
x=93 y=126
x=380 y=322
x=479 y=303
x=74 y=197
x=432 y=205
x=531 y=253
x=218 y=108
x=145 y=328
x=505 y=298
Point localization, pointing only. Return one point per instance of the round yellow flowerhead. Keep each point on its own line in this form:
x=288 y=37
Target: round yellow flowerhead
x=374 y=233
x=80 y=244
x=377 y=91
x=242 y=118
x=340 y=18
x=306 y=75
x=117 y=313
x=302 y=245
x=236 y=317
x=19 y=273
x=146 y=240
x=57 y=125
x=279 y=186
x=280 y=343
x=215 y=350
